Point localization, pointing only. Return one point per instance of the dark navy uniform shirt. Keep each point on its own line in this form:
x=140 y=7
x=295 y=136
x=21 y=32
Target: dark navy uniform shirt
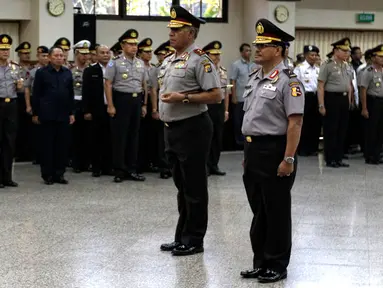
x=53 y=95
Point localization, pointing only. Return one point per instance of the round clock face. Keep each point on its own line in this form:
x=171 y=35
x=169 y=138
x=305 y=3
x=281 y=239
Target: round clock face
x=281 y=14
x=56 y=7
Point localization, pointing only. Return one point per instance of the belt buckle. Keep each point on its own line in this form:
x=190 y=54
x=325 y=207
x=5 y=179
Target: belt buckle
x=7 y=100
x=344 y=93
x=134 y=94
x=248 y=139
x=166 y=124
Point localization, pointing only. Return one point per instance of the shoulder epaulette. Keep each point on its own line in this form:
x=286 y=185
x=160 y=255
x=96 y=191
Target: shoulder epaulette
x=14 y=62
x=158 y=65
x=290 y=73
x=116 y=57
x=370 y=68
x=222 y=68
x=199 y=52
x=329 y=60
x=254 y=71
x=152 y=64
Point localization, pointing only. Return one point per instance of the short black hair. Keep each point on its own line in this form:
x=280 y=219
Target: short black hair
x=53 y=49
x=242 y=47
x=354 y=49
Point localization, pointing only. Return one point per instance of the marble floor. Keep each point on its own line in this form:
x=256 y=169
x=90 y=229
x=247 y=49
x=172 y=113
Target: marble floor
x=94 y=233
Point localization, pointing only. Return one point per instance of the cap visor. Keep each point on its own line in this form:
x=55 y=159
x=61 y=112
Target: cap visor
x=130 y=41
x=380 y=53
x=5 y=46
x=214 y=51
x=344 y=47
x=24 y=50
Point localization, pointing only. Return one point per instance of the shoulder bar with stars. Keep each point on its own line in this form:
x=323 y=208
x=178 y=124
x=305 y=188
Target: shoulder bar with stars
x=290 y=73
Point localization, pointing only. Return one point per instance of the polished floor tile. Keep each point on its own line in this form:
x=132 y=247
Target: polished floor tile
x=94 y=233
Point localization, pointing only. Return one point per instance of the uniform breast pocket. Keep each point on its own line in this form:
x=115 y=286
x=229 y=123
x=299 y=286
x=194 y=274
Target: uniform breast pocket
x=268 y=95
x=122 y=69
x=178 y=73
x=246 y=99
x=12 y=75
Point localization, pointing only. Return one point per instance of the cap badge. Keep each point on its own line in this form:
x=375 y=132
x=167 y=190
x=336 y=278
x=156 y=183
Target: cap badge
x=5 y=40
x=310 y=48
x=381 y=48
x=63 y=42
x=26 y=46
x=216 y=46
x=85 y=45
x=148 y=42
x=173 y=13
x=347 y=43
x=133 y=34
x=260 y=28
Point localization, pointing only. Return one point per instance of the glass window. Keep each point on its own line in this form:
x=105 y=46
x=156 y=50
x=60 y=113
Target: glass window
x=103 y=7
x=203 y=8
x=148 y=7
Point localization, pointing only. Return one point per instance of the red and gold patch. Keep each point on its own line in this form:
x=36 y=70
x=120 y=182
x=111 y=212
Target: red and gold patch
x=275 y=73
x=208 y=68
x=296 y=91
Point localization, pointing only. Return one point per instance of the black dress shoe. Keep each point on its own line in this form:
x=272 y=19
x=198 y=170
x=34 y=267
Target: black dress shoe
x=135 y=177
x=96 y=174
x=254 y=273
x=165 y=174
x=48 y=181
x=10 y=183
x=271 y=276
x=61 y=180
x=332 y=164
x=170 y=246
x=217 y=172
x=342 y=164
x=117 y=179
x=186 y=250
x=2 y=186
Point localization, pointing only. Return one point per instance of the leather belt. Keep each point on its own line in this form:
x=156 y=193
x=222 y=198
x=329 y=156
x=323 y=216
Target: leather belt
x=7 y=99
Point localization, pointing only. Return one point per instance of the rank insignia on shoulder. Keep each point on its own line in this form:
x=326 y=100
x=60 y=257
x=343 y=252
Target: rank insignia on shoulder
x=294 y=84
x=15 y=63
x=296 y=91
x=274 y=74
x=208 y=68
x=290 y=73
x=254 y=71
x=275 y=80
x=199 y=52
x=116 y=57
x=370 y=68
x=222 y=68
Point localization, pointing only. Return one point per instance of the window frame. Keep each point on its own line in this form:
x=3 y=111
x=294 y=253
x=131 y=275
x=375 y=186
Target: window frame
x=122 y=15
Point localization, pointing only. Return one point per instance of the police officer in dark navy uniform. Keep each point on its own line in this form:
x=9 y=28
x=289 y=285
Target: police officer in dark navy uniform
x=334 y=99
x=217 y=110
x=274 y=106
x=126 y=93
x=188 y=81
x=372 y=106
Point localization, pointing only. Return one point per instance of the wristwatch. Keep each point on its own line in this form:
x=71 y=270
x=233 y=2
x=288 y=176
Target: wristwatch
x=289 y=160
x=186 y=100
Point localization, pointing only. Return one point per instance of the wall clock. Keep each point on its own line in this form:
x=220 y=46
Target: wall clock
x=56 y=7
x=281 y=13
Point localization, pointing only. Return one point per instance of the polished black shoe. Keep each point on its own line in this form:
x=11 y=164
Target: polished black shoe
x=186 y=250
x=170 y=246
x=332 y=164
x=254 y=273
x=48 y=181
x=135 y=177
x=271 y=276
x=10 y=183
x=117 y=179
x=2 y=186
x=165 y=174
x=342 y=164
x=96 y=174
x=61 y=180
x=217 y=172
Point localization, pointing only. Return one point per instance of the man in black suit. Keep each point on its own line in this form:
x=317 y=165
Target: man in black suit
x=95 y=110
x=53 y=108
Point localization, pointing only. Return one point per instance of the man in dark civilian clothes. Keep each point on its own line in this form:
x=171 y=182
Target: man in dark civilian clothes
x=95 y=110
x=53 y=106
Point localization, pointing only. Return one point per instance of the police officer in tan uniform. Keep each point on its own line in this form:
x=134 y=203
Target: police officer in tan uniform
x=10 y=80
x=218 y=112
x=116 y=49
x=371 y=88
x=274 y=106
x=334 y=99
x=188 y=81
x=126 y=93
x=81 y=128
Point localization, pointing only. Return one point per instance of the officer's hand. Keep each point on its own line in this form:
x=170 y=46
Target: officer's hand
x=35 y=120
x=322 y=111
x=285 y=169
x=155 y=115
x=71 y=119
x=29 y=110
x=234 y=100
x=173 y=97
x=20 y=83
x=226 y=116
x=143 y=111
x=365 y=113
x=88 y=116
x=111 y=111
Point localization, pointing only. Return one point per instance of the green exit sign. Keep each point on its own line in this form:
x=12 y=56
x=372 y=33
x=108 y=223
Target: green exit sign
x=365 y=18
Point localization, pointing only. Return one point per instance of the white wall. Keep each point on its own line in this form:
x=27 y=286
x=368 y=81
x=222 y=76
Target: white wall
x=230 y=34
x=335 y=19
x=357 y=5
x=15 y=10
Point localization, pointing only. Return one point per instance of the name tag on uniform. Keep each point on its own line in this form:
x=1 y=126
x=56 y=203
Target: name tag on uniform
x=269 y=87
